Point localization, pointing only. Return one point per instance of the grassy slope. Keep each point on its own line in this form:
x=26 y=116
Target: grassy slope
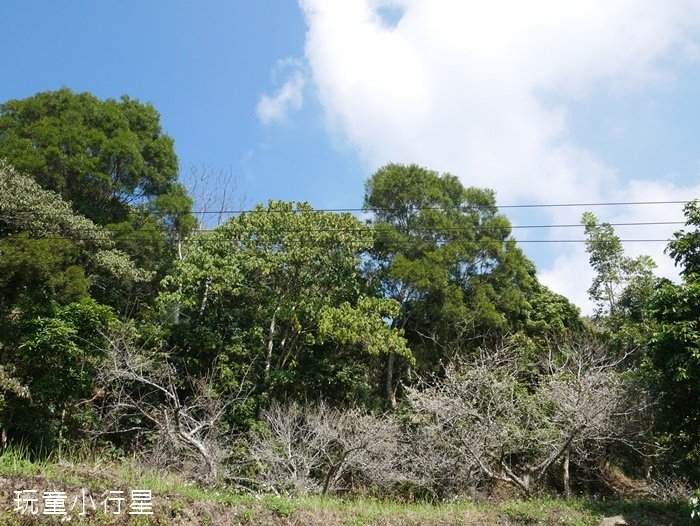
x=176 y=502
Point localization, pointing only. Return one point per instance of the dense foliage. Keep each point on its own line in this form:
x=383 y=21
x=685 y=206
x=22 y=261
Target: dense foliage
x=101 y=156
x=110 y=162
x=298 y=350
x=675 y=350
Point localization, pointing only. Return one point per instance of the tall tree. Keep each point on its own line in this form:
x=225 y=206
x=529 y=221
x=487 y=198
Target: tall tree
x=280 y=286
x=622 y=288
x=620 y=281
x=110 y=160
x=101 y=156
x=675 y=350
x=684 y=248
x=446 y=255
x=54 y=265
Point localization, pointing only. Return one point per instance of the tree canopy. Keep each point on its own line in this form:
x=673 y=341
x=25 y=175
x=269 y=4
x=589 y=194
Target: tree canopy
x=102 y=156
x=446 y=255
x=412 y=350
x=280 y=287
x=675 y=349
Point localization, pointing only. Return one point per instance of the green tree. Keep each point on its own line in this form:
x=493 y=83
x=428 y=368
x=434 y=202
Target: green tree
x=55 y=268
x=279 y=287
x=57 y=362
x=110 y=160
x=621 y=282
x=675 y=351
x=43 y=243
x=684 y=248
x=445 y=254
x=622 y=288
x=101 y=156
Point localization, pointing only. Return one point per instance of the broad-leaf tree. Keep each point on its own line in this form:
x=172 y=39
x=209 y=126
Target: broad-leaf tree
x=446 y=255
x=110 y=160
x=101 y=156
x=55 y=268
x=622 y=288
x=274 y=287
x=675 y=350
x=621 y=282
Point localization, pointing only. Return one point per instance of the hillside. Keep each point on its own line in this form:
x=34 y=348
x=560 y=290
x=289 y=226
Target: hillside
x=91 y=485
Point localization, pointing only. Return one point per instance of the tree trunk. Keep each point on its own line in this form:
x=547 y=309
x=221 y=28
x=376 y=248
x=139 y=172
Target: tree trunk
x=205 y=298
x=327 y=479
x=390 y=393
x=567 y=487
x=270 y=345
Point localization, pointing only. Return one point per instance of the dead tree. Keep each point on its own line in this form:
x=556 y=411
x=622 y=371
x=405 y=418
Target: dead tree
x=215 y=195
x=145 y=394
x=512 y=421
x=319 y=449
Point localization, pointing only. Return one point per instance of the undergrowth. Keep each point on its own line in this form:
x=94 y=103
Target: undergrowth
x=181 y=501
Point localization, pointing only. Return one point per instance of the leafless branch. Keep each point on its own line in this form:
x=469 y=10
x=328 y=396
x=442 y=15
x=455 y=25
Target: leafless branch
x=512 y=424
x=183 y=411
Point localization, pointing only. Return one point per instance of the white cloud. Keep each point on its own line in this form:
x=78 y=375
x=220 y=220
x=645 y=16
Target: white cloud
x=469 y=87
x=571 y=275
x=290 y=96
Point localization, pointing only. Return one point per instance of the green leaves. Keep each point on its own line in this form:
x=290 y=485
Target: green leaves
x=276 y=286
x=366 y=324
x=684 y=248
x=620 y=282
x=29 y=212
x=101 y=156
x=674 y=356
x=110 y=163
x=445 y=254
x=53 y=264
x=56 y=364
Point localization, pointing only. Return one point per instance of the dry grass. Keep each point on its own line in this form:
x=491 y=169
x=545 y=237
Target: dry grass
x=178 y=502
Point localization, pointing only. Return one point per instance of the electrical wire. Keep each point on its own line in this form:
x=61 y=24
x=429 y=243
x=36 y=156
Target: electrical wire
x=417 y=209
x=134 y=235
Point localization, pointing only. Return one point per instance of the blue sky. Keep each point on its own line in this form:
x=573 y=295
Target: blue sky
x=546 y=102
x=203 y=65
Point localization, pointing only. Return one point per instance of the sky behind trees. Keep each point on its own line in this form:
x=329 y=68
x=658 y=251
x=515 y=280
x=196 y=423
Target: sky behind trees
x=545 y=102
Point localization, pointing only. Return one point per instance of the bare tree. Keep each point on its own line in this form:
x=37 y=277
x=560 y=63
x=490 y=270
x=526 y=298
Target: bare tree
x=215 y=194
x=596 y=405
x=284 y=451
x=144 y=394
x=321 y=449
x=511 y=422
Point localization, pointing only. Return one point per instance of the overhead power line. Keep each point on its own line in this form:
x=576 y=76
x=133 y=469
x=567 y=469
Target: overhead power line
x=466 y=207
x=381 y=228
x=619 y=203
x=389 y=209
x=310 y=241
x=134 y=235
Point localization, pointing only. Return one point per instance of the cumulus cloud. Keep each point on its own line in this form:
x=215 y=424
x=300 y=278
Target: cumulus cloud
x=570 y=273
x=484 y=89
x=290 y=96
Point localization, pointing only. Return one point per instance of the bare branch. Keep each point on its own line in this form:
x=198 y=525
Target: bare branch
x=181 y=410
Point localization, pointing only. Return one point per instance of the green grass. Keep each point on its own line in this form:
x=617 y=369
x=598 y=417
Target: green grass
x=15 y=460
x=180 y=497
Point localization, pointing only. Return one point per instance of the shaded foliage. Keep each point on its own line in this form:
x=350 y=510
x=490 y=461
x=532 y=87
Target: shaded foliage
x=275 y=287
x=675 y=351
